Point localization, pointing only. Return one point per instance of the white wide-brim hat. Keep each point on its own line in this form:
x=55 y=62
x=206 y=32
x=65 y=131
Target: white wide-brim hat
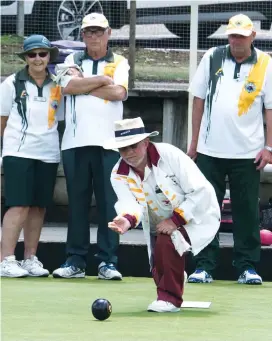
x=127 y=133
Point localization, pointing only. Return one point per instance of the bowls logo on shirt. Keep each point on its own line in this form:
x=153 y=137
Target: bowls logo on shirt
x=55 y=104
x=250 y=87
x=23 y=94
x=219 y=72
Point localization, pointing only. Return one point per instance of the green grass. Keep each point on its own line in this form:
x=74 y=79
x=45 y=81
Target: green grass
x=10 y=64
x=11 y=39
x=58 y=310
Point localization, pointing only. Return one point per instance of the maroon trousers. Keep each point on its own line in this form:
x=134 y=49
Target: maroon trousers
x=168 y=270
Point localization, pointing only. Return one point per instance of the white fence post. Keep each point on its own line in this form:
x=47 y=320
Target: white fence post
x=193 y=62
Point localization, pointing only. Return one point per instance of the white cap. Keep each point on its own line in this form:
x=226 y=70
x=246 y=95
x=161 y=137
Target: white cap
x=95 y=20
x=240 y=24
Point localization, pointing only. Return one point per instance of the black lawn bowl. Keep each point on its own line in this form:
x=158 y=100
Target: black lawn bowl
x=101 y=309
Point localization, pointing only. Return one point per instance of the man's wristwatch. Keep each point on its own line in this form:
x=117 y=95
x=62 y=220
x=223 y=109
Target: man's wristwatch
x=268 y=148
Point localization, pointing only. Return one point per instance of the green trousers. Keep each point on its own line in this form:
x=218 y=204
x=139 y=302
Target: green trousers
x=244 y=182
x=88 y=169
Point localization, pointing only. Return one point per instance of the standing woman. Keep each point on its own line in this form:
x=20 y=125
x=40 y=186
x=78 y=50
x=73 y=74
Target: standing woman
x=30 y=110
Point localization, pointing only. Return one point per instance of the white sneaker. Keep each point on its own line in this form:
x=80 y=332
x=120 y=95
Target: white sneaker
x=162 y=307
x=108 y=271
x=34 y=267
x=250 y=277
x=68 y=271
x=200 y=276
x=10 y=267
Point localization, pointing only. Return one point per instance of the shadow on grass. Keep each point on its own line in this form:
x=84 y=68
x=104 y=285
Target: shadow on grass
x=196 y=313
x=51 y=281
x=231 y=285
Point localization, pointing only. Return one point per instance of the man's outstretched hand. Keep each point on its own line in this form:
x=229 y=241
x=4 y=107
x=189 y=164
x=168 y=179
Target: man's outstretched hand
x=119 y=224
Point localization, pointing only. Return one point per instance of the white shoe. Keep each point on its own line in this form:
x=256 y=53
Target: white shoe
x=10 y=267
x=200 y=276
x=108 y=271
x=68 y=271
x=34 y=267
x=162 y=307
x=250 y=277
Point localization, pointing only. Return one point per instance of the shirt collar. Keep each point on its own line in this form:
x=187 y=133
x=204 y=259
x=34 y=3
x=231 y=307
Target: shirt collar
x=109 y=57
x=153 y=156
x=252 y=59
x=25 y=76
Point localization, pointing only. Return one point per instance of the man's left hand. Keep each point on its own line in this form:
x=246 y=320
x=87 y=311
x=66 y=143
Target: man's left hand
x=263 y=157
x=167 y=226
x=74 y=72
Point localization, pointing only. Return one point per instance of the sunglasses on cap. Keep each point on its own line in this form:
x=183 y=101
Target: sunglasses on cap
x=40 y=54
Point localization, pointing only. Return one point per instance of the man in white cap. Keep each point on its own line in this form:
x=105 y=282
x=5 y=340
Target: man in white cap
x=93 y=103
x=160 y=186
x=231 y=88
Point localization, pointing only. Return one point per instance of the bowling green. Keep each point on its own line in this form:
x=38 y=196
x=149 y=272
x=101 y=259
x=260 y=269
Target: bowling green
x=59 y=310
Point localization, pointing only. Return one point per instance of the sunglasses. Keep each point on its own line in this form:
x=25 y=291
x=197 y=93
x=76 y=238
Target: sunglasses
x=40 y=54
x=97 y=33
